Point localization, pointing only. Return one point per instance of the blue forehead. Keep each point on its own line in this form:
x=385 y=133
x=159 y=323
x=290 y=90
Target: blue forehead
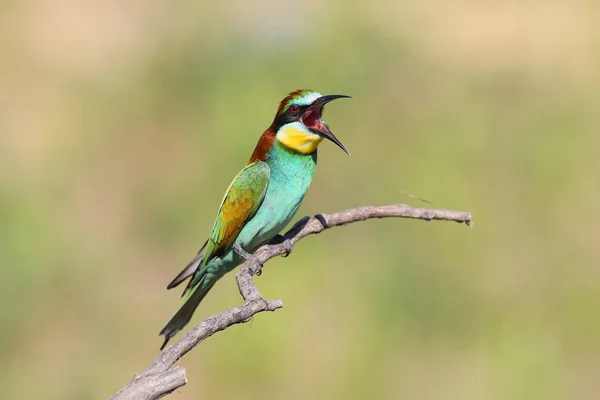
x=304 y=98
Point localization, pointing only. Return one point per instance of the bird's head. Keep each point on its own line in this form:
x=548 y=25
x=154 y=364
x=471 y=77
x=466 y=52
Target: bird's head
x=299 y=125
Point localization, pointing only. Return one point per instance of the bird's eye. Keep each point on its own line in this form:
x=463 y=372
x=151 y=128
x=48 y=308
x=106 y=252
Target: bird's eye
x=294 y=109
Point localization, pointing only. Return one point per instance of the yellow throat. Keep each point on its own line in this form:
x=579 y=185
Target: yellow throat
x=296 y=136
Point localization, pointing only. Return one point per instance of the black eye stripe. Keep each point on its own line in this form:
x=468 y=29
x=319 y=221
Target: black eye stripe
x=287 y=116
x=300 y=108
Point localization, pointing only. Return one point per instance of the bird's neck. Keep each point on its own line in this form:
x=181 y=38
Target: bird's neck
x=263 y=146
x=293 y=137
x=282 y=160
x=289 y=164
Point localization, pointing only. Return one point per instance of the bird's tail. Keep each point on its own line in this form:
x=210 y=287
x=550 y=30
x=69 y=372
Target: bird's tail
x=183 y=316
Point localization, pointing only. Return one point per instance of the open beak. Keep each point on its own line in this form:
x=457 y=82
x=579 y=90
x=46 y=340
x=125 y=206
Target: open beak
x=312 y=118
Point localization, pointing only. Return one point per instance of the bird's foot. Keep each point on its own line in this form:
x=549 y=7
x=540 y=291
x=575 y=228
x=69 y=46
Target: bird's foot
x=258 y=265
x=287 y=244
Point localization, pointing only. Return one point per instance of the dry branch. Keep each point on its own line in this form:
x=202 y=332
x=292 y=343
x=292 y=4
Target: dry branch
x=161 y=379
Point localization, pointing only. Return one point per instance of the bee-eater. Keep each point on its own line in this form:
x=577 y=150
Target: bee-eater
x=261 y=200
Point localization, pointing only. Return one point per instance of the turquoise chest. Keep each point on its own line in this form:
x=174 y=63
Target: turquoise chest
x=291 y=176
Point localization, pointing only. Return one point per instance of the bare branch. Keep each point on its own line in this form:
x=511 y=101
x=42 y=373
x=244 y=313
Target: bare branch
x=161 y=379
x=153 y=386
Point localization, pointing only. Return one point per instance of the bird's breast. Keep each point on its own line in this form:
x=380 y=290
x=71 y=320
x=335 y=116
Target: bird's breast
x=291 y=176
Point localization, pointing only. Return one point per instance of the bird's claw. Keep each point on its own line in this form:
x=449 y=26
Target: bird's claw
x=287 y=244
x=258 y=265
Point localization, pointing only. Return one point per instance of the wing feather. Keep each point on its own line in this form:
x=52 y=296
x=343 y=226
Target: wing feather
x=242 y=199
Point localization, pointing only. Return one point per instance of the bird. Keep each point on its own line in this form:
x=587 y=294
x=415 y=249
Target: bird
x=261 y=200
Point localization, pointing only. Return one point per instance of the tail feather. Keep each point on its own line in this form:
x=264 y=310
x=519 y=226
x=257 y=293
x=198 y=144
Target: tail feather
x=189 y=269
x=183 y=316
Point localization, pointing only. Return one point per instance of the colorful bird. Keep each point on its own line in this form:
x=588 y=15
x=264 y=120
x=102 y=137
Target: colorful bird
x=261 y=200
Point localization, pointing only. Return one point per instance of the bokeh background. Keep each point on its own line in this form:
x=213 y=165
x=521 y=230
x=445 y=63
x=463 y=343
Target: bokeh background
x=122 y=123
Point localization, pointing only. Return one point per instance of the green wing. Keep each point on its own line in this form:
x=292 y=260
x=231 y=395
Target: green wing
x=242 y=199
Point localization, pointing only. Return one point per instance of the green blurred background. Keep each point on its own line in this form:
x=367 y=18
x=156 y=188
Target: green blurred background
x=122 y=123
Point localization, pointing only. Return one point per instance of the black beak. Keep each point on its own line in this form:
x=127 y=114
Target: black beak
x=324 y=131
x=330 y=97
